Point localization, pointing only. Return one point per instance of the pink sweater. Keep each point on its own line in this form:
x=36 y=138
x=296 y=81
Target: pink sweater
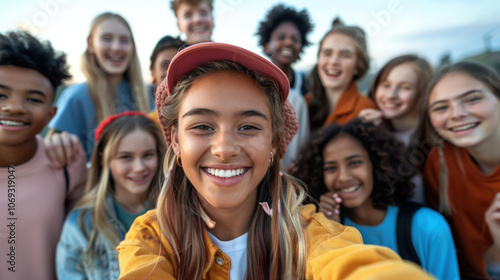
x=32 y=211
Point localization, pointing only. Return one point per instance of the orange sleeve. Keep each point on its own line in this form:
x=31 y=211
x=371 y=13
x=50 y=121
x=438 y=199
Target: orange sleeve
x=154 y=116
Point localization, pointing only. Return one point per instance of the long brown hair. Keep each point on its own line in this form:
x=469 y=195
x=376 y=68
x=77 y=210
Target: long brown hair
x=276 y=246
x=427 y=133
x=100 y=181
x=102 y=91
x=424 y=73
x=318 y=111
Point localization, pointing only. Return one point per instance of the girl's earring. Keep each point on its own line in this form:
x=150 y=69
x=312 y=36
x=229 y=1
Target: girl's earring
x=177 y=158
x=271 y=160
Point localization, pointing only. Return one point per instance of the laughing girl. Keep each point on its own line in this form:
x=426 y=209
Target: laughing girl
x=123 y=183
x=226 y=211
x=462 y=118
x=114 y=84
x=348 y=168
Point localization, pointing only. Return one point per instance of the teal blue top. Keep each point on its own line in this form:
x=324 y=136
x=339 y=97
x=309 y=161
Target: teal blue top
x=125 y=217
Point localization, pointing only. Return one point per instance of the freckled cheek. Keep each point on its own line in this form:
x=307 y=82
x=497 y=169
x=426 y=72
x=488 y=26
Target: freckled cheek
x=192 y=150
x=438 y=121
x=258 y=149
x=486 y=111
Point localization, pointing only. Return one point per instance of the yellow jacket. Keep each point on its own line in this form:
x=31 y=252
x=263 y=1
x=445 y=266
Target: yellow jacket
x=334 y=251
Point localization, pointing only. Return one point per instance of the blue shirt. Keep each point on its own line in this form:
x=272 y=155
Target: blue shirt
x=125 y=217
x=76 y=112
x=431 y=238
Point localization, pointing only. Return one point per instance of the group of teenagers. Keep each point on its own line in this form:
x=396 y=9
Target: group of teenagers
x=230 y=165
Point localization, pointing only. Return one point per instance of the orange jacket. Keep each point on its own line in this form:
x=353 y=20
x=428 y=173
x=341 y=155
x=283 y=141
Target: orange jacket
x=470 y=193
x=348 y=107
x=334 y=251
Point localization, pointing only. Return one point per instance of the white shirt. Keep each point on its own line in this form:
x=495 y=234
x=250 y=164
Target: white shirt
x=236 y=250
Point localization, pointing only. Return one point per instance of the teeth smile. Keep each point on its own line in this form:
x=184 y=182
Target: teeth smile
x=351 y=189
x=139 y=178
x=286 y=52
x=333 y=72
x=465 y=127
x=225 y=173
x=11 y=123
x=391 y=106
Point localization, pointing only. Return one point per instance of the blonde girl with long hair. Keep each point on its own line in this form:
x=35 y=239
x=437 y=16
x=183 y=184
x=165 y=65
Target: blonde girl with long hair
x=226 y=210
x=123 y=183
x=114 y=84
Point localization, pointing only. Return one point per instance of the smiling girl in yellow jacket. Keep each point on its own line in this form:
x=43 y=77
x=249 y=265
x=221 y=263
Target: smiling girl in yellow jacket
x=226 y=211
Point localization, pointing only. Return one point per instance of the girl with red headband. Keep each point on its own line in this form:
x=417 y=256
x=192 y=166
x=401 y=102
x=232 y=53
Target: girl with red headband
x=123 y=183
x=227 y=210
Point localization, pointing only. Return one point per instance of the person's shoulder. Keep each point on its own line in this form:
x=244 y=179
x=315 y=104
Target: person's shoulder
x=75 y=93
x=147 y=221
x=71 y=232
x=145 y=232
x=74 y=215
x=76 y=90
x=429 y=220
x=316 y=223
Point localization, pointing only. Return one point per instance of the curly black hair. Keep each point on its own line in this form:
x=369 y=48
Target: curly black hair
x=164 y=43
x=21 y=49
x=279 y=14
x=391 y=172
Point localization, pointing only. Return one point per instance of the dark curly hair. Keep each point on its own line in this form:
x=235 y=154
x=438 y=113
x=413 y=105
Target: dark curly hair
x=21 y=49
x=391 y=173
x=279 y=14
x=164 y=43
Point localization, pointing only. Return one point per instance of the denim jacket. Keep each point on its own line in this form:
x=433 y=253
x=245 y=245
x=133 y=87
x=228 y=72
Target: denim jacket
x=71 y=252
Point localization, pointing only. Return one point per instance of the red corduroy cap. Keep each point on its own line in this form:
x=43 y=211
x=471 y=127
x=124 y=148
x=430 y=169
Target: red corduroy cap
x=191 y=57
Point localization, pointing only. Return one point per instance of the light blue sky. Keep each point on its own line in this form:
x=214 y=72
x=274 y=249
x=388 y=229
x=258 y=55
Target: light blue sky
x=394 y=27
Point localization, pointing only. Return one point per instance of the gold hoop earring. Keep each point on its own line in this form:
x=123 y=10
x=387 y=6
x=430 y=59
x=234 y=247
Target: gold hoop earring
x=178 y=163
x=271 y=161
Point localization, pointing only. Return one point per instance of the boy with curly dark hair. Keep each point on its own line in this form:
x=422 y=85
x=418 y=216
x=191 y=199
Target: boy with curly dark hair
x=361 y=178
x=34 y=194
x=283 y=36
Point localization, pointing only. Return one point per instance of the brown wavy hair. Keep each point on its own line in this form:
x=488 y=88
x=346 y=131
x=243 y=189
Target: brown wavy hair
x=276 y=245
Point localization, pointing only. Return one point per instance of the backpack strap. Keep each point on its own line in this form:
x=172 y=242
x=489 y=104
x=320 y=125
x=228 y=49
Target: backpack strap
x=403 y=231
x=66 y=178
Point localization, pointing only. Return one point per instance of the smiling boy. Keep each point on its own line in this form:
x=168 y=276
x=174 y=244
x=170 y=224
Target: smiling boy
x=194 y=18
x=33 y=194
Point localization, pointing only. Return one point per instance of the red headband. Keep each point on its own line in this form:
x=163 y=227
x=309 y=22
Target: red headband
x=104 y=123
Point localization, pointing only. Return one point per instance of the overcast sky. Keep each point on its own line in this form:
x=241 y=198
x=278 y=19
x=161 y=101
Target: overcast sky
x=394 y=27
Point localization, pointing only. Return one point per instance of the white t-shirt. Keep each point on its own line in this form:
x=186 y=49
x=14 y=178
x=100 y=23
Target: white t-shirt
x=236 y=250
